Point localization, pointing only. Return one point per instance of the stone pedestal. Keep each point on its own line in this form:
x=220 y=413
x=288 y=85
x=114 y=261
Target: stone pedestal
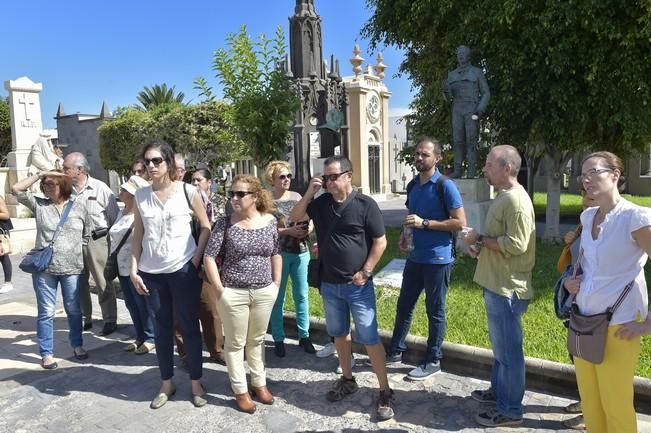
x=476 y=195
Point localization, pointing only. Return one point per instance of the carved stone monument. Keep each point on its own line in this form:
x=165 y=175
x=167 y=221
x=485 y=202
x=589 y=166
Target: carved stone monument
x=467 y=89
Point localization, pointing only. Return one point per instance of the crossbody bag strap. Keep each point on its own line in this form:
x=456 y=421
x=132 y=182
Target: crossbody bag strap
x=62 y=220
x=621 y=297
x=124 y=239
x=337 y=218
x=227 y=224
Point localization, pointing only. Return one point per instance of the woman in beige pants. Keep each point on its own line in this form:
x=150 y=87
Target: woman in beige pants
x=246 y=244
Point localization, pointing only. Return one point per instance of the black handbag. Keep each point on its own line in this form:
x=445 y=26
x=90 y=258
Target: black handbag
x=111 y=270
x=38 y=259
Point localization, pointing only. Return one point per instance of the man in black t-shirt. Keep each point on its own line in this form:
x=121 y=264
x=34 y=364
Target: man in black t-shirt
x=350 y=233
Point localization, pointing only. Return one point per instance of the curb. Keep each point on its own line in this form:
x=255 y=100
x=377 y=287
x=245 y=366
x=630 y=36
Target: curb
x=542 y=375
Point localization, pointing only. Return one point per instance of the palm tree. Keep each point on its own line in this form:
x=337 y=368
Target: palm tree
x=151 y=97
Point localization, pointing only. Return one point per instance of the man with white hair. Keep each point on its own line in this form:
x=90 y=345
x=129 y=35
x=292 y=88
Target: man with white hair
x=103 y=209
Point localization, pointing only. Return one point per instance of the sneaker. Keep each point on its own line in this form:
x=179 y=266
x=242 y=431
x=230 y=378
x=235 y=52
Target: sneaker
x=390 y=358
x=352 y=364
x=384 y=403
x=484 y=395
x=424 y=371
x=575 y=423
x=327 y=350
x=573 y=407
x=6 y=287
x=493 y=418
x=341 y=388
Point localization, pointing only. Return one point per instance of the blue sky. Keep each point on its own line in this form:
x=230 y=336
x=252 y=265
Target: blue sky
x=85 y=52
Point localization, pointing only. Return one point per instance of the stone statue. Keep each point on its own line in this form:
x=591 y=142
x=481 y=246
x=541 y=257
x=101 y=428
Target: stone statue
x=43 y=156
x=467 y=89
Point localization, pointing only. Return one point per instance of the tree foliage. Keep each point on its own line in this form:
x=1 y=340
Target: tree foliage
x=565 y=77
x=159 y=94
x=5 y=128
x=121 y=139
x=262 y=100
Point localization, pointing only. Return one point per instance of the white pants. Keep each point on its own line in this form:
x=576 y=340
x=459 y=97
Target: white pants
x=245 y=315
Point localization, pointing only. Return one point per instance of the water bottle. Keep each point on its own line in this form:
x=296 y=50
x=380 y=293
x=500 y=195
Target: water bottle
x=408 y=238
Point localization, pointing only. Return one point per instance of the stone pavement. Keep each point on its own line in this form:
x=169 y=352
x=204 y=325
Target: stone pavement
x=111 y=391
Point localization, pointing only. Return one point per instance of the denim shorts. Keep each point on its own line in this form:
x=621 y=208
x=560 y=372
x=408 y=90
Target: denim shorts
x=342 y=300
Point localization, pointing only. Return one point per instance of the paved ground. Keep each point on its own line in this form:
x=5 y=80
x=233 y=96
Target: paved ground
x=111 y=391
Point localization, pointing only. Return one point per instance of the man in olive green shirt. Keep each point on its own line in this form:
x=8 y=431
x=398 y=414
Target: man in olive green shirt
x=506 y=256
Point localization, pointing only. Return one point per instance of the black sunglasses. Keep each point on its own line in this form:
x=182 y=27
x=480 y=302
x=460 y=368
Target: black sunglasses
x=333 y=177
x=240 y=194
x=156 y=161
x=285 y=176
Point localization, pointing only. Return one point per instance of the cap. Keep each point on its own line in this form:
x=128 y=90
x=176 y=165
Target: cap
x=134 y=184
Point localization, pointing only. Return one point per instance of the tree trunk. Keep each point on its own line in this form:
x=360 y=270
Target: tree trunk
x=553 y=211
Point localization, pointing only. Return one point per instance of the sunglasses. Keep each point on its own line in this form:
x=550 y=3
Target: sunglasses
x=333 y=177
x=240 y=194
x=285 y=176
x=156 y=161
x=49 y=183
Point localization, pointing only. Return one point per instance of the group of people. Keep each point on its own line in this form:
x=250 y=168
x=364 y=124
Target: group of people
x=185 y=255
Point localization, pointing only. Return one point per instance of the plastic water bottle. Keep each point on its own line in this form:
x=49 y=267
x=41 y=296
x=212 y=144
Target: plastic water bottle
x=408 y=237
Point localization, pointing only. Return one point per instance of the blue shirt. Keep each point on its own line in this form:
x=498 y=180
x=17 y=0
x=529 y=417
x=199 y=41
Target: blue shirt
x=432 y=246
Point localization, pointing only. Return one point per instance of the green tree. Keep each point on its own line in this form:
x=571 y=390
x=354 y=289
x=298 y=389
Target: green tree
x=159 y=94
x=121 y=139
x=5 y=128
x=565 y=77
x=262 y=100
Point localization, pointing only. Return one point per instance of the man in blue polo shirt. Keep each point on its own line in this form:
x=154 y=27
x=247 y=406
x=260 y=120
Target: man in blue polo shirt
x=435 y=215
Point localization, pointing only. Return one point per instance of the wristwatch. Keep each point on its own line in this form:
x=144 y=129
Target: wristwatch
x=367 y=274
x=425 y=223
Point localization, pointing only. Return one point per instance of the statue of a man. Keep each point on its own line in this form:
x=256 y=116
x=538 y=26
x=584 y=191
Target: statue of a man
x=467 y=89
x=43 y=156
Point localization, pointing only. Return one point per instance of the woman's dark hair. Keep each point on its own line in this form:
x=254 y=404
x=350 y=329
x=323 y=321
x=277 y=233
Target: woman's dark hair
x=204 y=172
x=65 y=183
x=167 y=153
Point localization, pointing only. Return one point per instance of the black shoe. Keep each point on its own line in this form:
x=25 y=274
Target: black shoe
x=279 y=349
x=109 y=328
x=307 y=345
x=88 y=326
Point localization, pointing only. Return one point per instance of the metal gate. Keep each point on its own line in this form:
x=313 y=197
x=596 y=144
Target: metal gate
x=374 y=168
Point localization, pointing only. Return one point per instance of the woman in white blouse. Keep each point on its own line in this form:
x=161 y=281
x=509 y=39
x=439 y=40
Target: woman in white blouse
x=134 y=302
x=616 y=241
x=165 y=265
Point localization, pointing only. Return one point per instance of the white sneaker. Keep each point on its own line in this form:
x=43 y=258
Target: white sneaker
x=327 y=350
x=6 y=287
x=352 y=365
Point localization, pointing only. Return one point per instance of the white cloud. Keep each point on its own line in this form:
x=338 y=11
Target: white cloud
x=399 y=111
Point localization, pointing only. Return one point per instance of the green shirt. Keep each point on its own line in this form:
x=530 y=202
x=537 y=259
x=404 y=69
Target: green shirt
x=511 y=220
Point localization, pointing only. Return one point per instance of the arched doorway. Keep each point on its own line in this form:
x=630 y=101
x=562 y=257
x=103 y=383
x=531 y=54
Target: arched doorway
x=374 y=163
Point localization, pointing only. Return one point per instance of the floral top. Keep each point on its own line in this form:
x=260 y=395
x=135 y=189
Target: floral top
x=289 y=244
x=247 y=254
x=67 y=257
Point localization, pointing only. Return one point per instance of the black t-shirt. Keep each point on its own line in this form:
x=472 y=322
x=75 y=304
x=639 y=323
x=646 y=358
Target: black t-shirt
x=344 y=253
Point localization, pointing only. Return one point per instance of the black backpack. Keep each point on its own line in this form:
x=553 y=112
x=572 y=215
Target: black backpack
x=441 y=195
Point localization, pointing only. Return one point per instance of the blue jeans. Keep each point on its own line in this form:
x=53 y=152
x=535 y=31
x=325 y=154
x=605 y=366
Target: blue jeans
x=45 y=287
x=182 y=289
x=434 y=279
x=342 y=300
x=505 y=333
x=137 y=306
x=295 y=266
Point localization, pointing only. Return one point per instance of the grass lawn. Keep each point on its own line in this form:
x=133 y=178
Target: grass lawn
x=571 y=203
x=544 y=334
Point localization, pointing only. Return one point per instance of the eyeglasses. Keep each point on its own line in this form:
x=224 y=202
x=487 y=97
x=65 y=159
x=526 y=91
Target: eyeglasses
x=50 y=183
x=180 y=169
x=333 y=177
x=592 y=173
x=156 y=161
x=239 y=194
x=285 y=176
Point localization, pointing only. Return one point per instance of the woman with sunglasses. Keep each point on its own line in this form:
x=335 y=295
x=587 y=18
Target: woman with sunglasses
x=295 y=255
x=247 y=284
x=616 y=241
x=165 y=264
x=67 y=262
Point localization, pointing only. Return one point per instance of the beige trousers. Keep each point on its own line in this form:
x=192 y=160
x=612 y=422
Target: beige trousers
x=95 y=255
x=245 y=315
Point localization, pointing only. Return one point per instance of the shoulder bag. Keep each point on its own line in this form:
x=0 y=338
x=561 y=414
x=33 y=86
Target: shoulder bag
x=111 y=270
x=314 y=265
x=38 y=259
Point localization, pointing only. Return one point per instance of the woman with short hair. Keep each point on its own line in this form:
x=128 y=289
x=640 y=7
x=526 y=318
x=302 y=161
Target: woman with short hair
x=67 y=262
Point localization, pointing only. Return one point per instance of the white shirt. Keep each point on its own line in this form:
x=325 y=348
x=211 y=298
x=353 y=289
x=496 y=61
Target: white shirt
x=167 y=242
x=116 y=233
x=612 y=261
